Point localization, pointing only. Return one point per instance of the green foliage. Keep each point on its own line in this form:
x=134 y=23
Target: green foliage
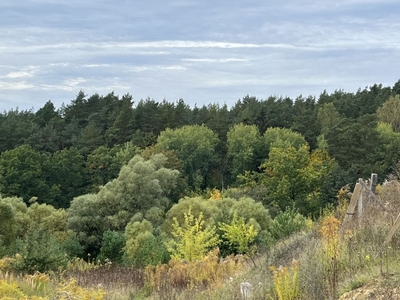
x=47 y=218
x=285 y=171
x=40 y=251
x=52 y=157
x=222 y=210
x=89 y=138
x=389 y=112
x=192 y=239
x=142 y=186
x=112 y=246
x=392 y=148
x=328 y=117
x=83 y=218
x=7 y=217
x=239 y=234
x=104 y=163
x=243 y=142
x=254 y=213
x=195 y=147
x=142 y=246
x=122 y=129
x=250 y=209
x=63 y=141
x=281 y=138
x=17 y=219
x=23 y=174
x=67 y=173
x=197 y=206
x=136 y=233
x=151 y=252
x=305 y=119
x=357 y=147
x=288 y=222
x=71 y=245
x=16 y=127
x=293 y=176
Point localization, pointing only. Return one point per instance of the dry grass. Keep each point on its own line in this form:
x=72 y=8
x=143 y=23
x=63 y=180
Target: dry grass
x=117 y=282
x=330 y=265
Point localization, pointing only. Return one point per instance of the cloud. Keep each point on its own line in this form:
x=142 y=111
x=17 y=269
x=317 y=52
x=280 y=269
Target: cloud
x=114 y=46
x=212 y=60
x=95 y=65
x=69 y=85
x=23 y=72
x=201 y=51
x=15 y=86
x=19 y=74
x=157 y=68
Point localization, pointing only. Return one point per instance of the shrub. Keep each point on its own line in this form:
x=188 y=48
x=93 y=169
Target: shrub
x=192 y=239
x=40 y=251
x=287 y=223
x=9 y=290
x=239 y=234
x=151 y=251
x=112 y=246
x=286 y=281
x=71 y=245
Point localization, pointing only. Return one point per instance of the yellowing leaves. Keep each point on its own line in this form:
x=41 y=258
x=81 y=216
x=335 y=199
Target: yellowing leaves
x=193 y=239
x=239 y=234
x=295 y=175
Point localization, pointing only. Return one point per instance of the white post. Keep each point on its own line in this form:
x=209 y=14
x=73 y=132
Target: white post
x=245 y=290
x=374 y=182
x=360 y=208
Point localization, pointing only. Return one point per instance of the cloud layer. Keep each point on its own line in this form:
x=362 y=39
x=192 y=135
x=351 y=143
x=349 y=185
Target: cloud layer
x=201 y=51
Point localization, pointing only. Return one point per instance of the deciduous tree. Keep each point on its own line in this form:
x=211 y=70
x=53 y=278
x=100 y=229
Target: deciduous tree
x=192 y=239
x=244 y=143
x=195 y=147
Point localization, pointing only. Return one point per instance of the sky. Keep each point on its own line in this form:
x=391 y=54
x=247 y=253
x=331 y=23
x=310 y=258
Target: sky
x=201 y=51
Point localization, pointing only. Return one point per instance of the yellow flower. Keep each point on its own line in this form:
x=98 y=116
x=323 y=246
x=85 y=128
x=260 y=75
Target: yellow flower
x=367 y=257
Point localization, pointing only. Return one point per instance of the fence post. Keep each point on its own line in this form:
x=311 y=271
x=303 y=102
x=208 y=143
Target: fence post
x=245 y=290
x=374 y=182
x=360 y=208
x=353 y=203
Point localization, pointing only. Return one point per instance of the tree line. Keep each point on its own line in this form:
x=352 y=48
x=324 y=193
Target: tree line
x=134 y=182
x=58 y=154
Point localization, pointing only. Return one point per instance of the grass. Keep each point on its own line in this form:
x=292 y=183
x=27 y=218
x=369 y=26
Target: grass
x=332 y=263
x=359 y=260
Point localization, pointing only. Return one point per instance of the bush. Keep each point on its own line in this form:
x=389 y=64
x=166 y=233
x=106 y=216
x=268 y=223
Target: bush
x=112 y=246
x=150 y=252
x=287 y=223
x=286 y=281
x=71 y=245
x=40 y=251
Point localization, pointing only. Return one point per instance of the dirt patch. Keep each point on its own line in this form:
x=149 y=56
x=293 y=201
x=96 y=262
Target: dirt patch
x=385 y=287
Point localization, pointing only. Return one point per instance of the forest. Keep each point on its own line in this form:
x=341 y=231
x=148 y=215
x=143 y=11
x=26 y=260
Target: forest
x=106 y=180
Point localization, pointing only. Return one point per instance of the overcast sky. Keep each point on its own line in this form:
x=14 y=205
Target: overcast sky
x=201 y=51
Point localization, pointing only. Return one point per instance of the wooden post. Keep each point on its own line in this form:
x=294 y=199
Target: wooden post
x=360 y=208
x=376 y=199
x=392 y=231
x=353 y=202
x=374 y=182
